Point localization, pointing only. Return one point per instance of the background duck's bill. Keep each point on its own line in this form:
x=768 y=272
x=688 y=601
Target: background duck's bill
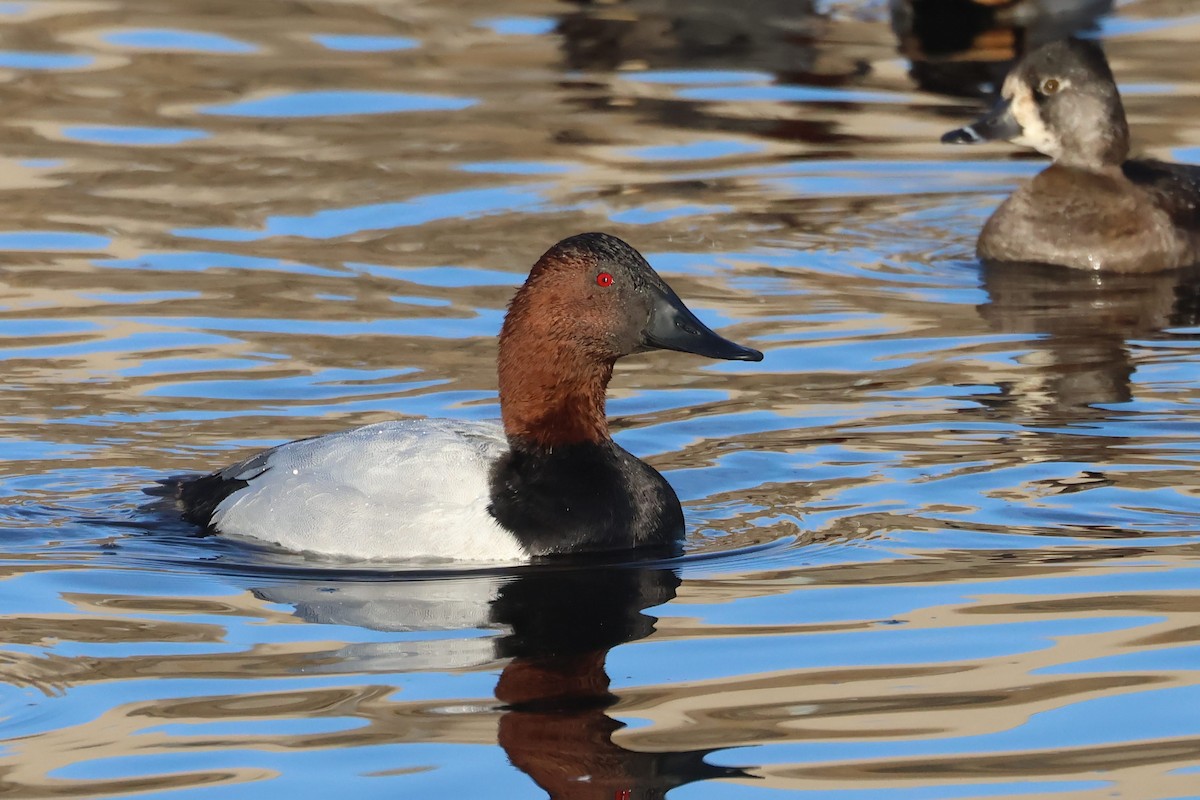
x=999 y=124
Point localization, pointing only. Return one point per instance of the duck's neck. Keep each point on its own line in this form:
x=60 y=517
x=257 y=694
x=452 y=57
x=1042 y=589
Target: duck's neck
x=582 y=498
x=1098 y=148
x=551 y=394
x=565 y=486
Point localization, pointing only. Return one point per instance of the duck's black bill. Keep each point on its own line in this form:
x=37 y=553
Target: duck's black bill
x=999 y=124
x=673 y=326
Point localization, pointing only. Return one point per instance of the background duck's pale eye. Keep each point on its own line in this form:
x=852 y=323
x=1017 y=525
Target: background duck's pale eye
x=1049 y=86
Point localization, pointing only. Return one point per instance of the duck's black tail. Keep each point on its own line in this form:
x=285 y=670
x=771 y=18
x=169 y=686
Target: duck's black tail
x=193 y=497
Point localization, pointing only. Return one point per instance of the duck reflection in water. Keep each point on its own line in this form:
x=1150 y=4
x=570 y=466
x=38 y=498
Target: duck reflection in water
x=561 y=622
x=780 y=38
x=766 y=35
x=1082 y=358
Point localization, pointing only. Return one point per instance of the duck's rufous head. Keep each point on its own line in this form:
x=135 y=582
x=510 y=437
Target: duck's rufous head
x=589 y=300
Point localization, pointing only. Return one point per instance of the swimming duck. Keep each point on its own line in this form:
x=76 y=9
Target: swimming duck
x=547 y=480
x=1093 y=208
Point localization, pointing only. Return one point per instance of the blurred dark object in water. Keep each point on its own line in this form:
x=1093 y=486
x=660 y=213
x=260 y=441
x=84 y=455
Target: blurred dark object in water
x=1086 y=320
x=768 y=35
x=781 y=39
x=964 y=48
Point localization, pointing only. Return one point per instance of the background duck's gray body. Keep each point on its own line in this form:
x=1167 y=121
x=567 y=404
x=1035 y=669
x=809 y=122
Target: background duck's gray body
x=1140 y=217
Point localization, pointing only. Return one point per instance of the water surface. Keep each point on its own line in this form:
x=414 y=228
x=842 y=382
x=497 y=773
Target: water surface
x=942 y=542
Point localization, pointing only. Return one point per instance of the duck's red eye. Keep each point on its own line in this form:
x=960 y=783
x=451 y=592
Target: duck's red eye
x=604 y=279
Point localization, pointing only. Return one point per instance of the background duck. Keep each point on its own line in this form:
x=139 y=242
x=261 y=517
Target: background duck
x=964 y=48
x=547 y=481
x=1093 y=208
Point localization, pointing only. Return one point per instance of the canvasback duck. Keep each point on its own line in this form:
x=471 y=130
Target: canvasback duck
x=1094 y=207
x=547 y=480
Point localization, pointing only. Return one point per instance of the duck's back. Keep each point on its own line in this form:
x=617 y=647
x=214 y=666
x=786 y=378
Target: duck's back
x=394 y=490
x=1140 y=218
x=1175 y=188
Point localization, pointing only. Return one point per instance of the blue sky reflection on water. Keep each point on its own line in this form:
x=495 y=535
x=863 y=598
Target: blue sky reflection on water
x=174 y=39
x=380 y=216
x=10 y=59
x=52 y=240
x=365 y=44
x=117 y=135
x=338 y=103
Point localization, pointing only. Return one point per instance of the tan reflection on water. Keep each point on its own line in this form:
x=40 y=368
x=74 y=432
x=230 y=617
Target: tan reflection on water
x=940 y=701
x=946 y=701
x=146 y=198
